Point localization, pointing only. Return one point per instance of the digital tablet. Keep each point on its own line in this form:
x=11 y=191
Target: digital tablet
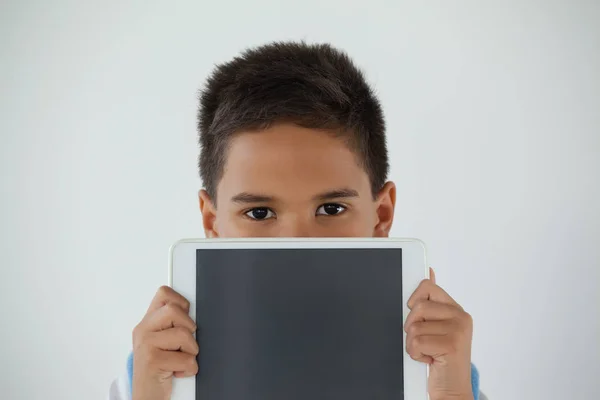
x=299 y=319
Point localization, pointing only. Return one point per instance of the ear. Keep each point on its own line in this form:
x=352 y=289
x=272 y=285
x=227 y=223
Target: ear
x=385 y=203
x=209 y=214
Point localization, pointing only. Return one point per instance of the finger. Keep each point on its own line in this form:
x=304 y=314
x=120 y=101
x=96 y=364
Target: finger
x=432 y=275
x=429 y=346
x=174 y=361
x=421 y=358
x=428 y=290
x=175 y=339
x=183 y=374
x=168 y=316
x=426 y=310
x=440 y=328
x=166 y=295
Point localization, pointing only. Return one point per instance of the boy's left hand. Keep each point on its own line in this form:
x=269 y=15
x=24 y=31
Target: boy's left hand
x=439 y=333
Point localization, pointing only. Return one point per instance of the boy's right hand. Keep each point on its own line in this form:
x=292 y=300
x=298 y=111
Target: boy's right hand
x=163 y=346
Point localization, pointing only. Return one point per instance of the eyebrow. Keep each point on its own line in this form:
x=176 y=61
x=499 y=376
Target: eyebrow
x=248 y=198
x=337 y=194
x=251 y=198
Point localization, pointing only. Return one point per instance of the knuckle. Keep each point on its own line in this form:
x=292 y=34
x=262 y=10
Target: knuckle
x=417 y=341
x=413 y=329
x=413 y=344
x=422 y=286
x=182 y=333
x=169 y=309
x=468 y=319
x=409 y=345
x=420 y=306
x=191 y=363
x=427 y=284
x=412 y=351
x=194 y=344
x=465 y=322
x=163 y=291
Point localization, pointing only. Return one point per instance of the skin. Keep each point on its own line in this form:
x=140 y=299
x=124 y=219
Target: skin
x=288 y=181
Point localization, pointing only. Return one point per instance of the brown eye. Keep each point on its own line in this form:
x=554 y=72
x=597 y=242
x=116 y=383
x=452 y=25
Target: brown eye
x=331 y=209
x=260 y=213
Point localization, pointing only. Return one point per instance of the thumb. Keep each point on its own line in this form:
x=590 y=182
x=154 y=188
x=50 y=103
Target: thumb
x=432 y=275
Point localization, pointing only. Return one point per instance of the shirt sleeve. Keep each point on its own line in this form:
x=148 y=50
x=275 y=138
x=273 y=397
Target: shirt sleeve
x=119 y=389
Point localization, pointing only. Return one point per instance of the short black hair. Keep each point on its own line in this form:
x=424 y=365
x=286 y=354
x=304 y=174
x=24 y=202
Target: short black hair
x=312 y=85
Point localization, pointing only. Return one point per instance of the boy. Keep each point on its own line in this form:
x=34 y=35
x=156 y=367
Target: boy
x=293 y=145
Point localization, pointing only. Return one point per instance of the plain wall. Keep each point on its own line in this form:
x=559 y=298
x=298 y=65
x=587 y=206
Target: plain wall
x=493 y=113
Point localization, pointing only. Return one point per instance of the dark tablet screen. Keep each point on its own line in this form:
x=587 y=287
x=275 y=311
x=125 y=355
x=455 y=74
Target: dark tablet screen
x=299 y=324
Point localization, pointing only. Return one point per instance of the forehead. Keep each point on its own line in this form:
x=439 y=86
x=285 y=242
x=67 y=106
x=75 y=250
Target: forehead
x=291 y=162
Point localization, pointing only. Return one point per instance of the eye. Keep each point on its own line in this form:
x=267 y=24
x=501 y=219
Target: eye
x=331 y=209
x=260 y=213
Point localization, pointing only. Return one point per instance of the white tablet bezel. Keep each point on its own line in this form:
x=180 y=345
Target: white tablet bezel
x=182 y=273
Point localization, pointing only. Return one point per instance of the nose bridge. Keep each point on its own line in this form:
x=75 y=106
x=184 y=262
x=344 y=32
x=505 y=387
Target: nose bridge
x=296 y=225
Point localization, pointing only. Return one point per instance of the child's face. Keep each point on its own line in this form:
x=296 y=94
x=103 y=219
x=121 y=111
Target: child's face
x=288 y=181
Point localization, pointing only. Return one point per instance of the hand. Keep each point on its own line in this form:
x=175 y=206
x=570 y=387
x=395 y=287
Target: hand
x=439 y=333
x=163 y=346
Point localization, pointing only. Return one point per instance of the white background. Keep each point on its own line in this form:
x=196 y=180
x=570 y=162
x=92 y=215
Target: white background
x=493 y=112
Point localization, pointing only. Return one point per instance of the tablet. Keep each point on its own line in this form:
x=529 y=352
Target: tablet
x=300 y=319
